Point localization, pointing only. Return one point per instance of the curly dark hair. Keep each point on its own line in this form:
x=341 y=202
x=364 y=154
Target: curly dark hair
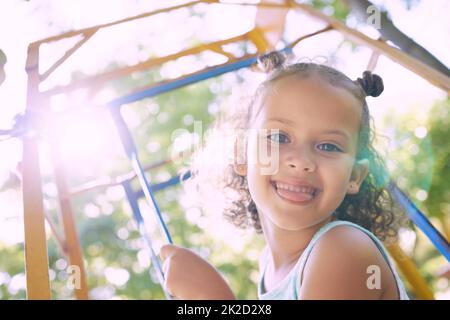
x=372 y=207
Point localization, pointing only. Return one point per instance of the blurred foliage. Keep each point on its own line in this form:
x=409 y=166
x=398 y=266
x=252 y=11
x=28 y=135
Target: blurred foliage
x=438 y=200
x=112 y=246
x=419 y=159
x=337 y=8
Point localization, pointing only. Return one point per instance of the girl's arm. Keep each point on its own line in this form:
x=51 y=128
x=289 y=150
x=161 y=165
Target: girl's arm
x=188 y=276
x=345 y=264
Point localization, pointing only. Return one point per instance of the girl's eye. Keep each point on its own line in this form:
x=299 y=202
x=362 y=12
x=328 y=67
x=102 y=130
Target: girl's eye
x=278 y=137
x=329 y=147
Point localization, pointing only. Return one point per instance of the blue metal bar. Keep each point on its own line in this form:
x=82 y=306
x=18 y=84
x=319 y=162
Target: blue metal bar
x=131 y=152
x=163 y=185
x=421 y=220
x=143 y=232
x=178 y=83
x=132 y=199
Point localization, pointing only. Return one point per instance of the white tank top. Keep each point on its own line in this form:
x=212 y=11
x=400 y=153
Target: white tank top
x=289 y=287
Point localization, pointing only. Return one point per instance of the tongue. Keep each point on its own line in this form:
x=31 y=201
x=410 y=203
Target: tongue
x=294 y=196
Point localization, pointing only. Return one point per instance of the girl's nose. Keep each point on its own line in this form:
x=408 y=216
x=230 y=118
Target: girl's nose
x=300 y=162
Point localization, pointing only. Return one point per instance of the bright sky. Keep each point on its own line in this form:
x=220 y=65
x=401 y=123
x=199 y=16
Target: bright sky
x=22 y=23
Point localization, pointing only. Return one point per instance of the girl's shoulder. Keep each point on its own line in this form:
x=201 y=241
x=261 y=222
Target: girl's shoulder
x=345 y=261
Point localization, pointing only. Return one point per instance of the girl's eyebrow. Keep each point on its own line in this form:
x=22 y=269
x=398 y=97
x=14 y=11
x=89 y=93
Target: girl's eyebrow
x=338 y=132
x=331 y=131
x=287 y=121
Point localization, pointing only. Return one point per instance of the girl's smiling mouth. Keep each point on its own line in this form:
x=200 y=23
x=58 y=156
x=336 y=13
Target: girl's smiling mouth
x=298 y=193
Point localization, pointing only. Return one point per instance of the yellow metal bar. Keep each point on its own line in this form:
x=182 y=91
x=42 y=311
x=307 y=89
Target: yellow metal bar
x=410 y=272
x=270 y=5
x=270 y=23
x=258 y=39
x=306 y=36
x=87 y=35
x=36 y=258
x=110 y=24
x=433 y=76
x=147 y=87
x=97 y=80
x=72 y=244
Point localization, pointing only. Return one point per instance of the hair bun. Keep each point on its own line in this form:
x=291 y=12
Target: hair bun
x=372 y=84
x=270 y=61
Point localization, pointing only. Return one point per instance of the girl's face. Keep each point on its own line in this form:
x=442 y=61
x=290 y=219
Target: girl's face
x=318 y=127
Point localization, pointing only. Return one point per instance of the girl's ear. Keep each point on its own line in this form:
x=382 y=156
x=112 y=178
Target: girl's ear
x=240 y=163
x=359 y=173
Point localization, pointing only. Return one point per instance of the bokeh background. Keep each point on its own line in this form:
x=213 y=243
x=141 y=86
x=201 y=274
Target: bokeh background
x=411 y=116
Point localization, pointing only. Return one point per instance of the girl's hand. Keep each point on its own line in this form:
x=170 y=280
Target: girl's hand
x=188 y=276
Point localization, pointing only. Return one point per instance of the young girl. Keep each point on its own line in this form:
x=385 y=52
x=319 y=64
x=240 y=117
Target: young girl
x=323 y=210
